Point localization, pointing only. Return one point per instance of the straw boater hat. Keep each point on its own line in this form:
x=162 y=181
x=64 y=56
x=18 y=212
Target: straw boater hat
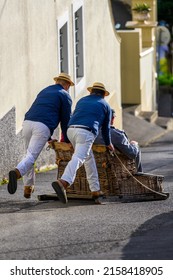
x=100 y=86
x=65 y=77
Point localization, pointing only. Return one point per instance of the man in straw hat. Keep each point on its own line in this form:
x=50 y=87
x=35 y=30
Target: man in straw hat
x=51 y=107
x=92 y=112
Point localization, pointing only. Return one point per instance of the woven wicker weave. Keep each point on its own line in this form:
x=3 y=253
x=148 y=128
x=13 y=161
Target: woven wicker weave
x=114 y=179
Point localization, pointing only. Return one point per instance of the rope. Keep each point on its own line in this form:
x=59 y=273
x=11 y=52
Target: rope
x=114 y=154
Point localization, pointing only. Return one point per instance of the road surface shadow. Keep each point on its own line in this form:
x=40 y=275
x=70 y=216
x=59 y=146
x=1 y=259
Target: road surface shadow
x=152 y=241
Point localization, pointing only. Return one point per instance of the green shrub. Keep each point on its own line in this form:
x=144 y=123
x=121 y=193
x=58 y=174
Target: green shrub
x=141 y=7
x=165 y=80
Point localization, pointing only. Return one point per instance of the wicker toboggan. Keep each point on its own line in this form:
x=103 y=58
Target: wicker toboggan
x=117 y=174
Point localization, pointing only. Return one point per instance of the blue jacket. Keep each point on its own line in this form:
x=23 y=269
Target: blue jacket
x=51 y=107
x=121 y=142
x=93 y=111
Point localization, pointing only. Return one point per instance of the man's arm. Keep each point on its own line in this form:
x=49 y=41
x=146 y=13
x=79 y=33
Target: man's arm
x=122 y=143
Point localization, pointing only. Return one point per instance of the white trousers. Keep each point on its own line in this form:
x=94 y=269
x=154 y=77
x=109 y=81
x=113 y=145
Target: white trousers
x=82 y=141
x=35 y=135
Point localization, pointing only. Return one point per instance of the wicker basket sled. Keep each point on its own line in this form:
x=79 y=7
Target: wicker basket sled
x=117 y=175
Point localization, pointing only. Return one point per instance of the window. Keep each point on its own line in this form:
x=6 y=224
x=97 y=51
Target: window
x=63 y=43
x=63 y=49
x=78 y=25
x=79 y=45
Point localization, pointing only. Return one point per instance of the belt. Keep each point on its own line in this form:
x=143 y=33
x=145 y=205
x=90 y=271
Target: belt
x=83 y=127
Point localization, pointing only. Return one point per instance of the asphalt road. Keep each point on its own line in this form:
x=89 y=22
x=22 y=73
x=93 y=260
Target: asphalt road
x=34 y=230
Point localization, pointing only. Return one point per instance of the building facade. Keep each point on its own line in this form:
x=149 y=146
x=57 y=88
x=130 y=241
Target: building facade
x=41 y=38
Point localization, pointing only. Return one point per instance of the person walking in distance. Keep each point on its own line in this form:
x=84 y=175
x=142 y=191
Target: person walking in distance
x=51 y=107
x=91 y=113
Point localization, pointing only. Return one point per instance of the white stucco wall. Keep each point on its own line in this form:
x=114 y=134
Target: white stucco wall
x=101 y=51
x=29 y=61
x=28 y=52
x=101 y=44
x=102 y=47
